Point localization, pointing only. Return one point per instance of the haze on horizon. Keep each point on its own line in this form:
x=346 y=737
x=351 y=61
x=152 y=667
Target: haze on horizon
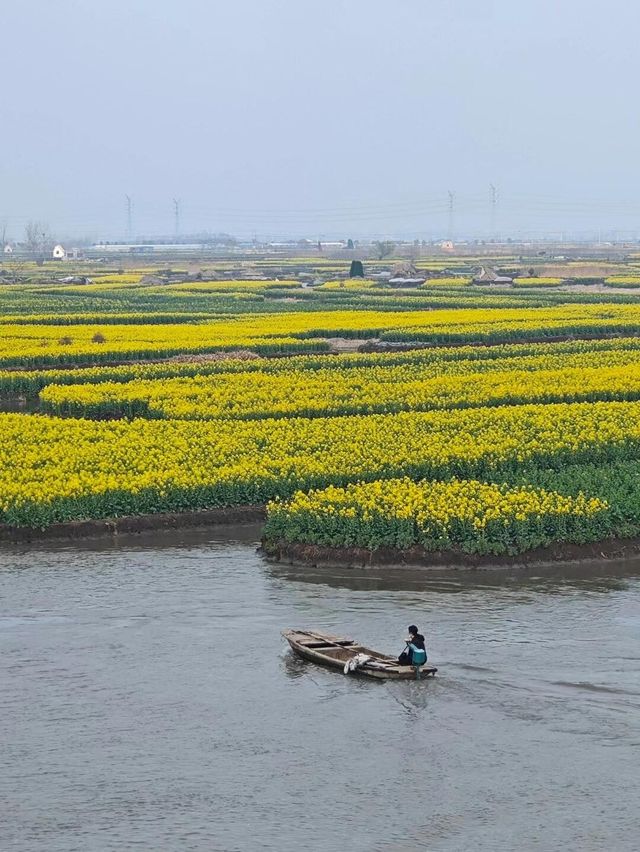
x=349 y=118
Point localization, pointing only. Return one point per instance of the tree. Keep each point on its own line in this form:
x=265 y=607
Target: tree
x=384 y=248
x=356 y=270
x=36 y=237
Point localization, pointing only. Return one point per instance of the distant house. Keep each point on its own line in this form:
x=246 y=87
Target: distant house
x=486 y=275
x=8 y=249
x=58 y=252
x=405 y=275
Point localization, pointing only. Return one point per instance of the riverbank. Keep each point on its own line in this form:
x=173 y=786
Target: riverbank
x=297 y=554
x=293 y=553
x=109 y=527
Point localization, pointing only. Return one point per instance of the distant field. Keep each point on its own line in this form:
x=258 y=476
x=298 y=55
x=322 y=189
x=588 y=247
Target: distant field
x=152 y=391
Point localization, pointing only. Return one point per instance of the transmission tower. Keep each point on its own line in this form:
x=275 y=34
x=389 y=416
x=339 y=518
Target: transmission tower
x=129 y=218
x=452 y=197
x=494 y=205
x=176 y=215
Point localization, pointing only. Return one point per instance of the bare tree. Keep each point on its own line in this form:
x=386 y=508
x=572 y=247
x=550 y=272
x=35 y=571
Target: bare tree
x=32 y=236
x=384 y=248
x=3 y=242
x=36 y=237
x=414 y=250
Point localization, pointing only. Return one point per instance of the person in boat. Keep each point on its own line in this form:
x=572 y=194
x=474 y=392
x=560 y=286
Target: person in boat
x=415 y=653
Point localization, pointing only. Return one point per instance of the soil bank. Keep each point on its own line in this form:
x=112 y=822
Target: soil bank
x=227 y=516
x=417 y=557
x=316 y=555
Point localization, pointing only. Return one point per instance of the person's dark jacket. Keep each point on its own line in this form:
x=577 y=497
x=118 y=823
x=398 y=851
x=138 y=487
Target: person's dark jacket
x=418 y=641
x=406 y=658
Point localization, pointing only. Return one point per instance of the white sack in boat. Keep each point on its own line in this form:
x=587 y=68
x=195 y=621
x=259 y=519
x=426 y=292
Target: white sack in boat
x=356 y=662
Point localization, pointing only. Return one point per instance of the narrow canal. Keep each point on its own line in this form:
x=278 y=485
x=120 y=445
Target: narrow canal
x=148 y=702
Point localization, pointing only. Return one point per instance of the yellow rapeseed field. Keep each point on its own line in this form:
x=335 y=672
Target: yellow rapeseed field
x=38 y=343
x=58 y=469
x=394 y=448
x=359 y=390
x=472 y=516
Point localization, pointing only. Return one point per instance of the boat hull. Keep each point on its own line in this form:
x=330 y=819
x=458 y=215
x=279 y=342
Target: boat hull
x=334 y=651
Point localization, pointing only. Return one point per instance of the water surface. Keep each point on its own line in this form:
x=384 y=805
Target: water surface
x=148 y=702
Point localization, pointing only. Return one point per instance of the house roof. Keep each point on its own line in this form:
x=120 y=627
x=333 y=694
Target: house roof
x=490 y=275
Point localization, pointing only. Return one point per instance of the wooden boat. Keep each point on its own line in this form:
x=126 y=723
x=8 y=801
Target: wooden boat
x=335 y=651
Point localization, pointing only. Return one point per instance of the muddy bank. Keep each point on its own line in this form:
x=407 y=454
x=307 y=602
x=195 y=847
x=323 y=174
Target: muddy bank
x=417 y=557
x=382 y=346
x=134 y=524
x=182 y=358
x=319 y=556
x=19 y=403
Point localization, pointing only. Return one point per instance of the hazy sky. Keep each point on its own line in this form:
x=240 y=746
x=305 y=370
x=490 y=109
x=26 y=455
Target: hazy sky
x=338 y=117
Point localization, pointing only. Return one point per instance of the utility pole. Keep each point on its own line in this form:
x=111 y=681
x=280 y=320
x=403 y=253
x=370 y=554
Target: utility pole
x=176 y=215
x=452 y=197
x=129 y=221
x=494 y=205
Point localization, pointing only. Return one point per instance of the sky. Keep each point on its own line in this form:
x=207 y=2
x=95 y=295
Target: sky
x=324 y=119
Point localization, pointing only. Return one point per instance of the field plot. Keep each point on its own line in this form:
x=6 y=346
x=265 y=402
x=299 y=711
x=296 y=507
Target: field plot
x=474 y=516
x=61 y=469
x=44 y=342
x=337 y=389
x=198 y=394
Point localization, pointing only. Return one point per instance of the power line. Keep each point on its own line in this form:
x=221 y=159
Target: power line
x=457 y=211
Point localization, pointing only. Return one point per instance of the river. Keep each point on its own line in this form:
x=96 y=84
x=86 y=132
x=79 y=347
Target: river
x=148 y=702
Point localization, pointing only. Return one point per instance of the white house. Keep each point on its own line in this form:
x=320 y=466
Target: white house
x=58 y=252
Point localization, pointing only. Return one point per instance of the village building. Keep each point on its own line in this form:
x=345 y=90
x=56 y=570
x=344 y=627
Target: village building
x=487 y=275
